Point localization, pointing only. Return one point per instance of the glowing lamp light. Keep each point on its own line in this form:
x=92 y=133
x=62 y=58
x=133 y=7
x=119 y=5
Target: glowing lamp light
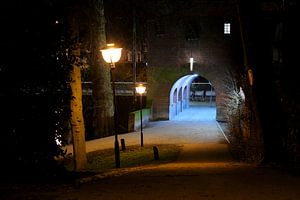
x=140 y=89
x=111 y=54
x=191 y=63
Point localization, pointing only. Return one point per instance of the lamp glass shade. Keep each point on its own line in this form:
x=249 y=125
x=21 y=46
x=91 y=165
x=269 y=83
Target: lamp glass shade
x=140 y=89
x=111 y=55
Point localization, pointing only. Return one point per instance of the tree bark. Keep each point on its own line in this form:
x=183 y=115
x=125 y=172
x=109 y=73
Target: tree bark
x=255 y=126
x=103 y=110
x=77 y=120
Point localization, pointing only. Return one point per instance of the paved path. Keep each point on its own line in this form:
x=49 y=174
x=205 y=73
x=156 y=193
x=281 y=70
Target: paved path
x=194 y=125
x=204 y=169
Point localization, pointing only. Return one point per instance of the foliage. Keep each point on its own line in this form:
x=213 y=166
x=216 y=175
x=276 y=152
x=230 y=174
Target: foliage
x=35 y=93
x=237 y=115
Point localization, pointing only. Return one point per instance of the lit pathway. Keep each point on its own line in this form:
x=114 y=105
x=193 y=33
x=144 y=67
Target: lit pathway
x=193 y=125
x=204 y=169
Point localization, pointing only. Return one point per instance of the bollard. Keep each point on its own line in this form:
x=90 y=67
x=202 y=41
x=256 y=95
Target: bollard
x=123 y=147
x=156 y=153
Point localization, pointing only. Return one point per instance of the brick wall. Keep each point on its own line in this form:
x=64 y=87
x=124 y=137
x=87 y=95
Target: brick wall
x=170 y=50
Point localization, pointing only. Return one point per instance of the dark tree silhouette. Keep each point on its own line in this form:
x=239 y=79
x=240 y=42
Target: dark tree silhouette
x=34 y=89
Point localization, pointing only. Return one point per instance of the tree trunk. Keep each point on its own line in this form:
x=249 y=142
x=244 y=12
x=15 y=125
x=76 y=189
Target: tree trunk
x=103 y=110
x=77 y=120
x=255 y=127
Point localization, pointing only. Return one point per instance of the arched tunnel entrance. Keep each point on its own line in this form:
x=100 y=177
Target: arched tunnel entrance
x=192 y=97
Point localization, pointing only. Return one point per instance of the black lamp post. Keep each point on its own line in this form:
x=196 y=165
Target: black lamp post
x=141 y=90
x=112 y=55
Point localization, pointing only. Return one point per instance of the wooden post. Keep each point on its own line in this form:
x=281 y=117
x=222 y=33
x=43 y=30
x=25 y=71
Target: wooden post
x=155 y=153
x=123 y=146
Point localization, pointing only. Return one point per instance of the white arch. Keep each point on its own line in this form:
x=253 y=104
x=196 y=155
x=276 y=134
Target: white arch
x=182 y=85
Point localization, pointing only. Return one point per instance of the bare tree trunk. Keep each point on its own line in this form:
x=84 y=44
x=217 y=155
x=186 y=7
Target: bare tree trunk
x=77 y=120
x=255 y=132
x=102 y=92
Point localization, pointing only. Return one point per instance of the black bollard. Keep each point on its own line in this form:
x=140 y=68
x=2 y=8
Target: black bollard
x=155 y=153
x=123 y=147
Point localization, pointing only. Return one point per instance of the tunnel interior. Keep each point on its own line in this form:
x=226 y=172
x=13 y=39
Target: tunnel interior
x=192 y=97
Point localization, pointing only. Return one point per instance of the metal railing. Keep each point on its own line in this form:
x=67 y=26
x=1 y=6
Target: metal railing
x=122 y=88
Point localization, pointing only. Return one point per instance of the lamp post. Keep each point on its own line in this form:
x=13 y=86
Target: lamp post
x=141 y=90
x=112 y=55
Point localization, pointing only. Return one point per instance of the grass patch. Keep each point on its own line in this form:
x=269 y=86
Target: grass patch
x=133 y=156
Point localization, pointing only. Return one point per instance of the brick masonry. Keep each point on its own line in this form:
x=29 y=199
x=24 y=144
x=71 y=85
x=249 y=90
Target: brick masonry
x=169 y=52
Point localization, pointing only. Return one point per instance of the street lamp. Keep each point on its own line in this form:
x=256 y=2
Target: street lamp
x=112 y=55
x=141 y=90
